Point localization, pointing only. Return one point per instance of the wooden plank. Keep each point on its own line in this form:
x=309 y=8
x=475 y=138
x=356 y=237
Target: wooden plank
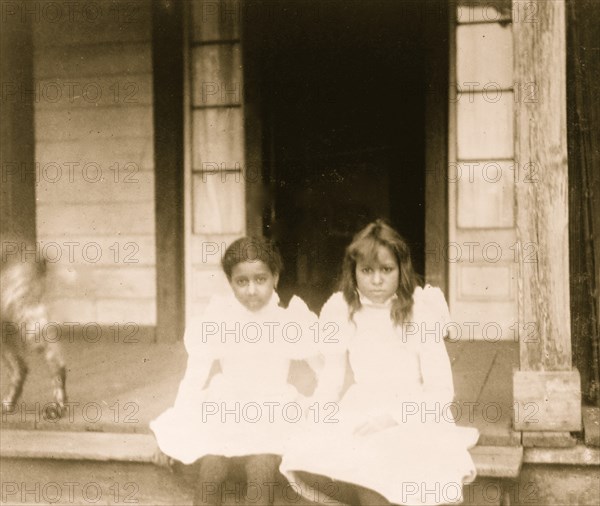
x=127 y=250
x=98 y=400
x=579 y=455
x=259 y=200
x=548 y=439
x=98 y=90
x=498 y=461
x=491 y=461
x=486 y=200
x=547 y=400
x=77 y=445
x=124 y=282
x=591 y=426
x=484 y=58
x=542 y=210
x=70 y=482
x=90 y=125
x=140 y=310
x=485 y=127
x=114 y=155
x=471 y=371
x=17 y=191
x=82 y=61
x=133 y=186
x=495 y=425
x=71 y=219
x=437 y=30
x=119 y=21
x=168 y=41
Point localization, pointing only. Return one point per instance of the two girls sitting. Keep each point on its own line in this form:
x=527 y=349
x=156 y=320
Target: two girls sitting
x=250 y=410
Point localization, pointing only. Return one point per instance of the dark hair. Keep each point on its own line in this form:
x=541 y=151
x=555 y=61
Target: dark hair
x=251 y=249
x=364 y=247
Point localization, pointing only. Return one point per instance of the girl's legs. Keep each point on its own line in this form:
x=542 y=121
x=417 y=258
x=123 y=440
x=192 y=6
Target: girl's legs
x=212 y=473
x=261 y=478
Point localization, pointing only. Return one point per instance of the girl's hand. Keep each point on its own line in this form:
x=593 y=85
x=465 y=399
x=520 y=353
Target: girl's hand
x=375 y=424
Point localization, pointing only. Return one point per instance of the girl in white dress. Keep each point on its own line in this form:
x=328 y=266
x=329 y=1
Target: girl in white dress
x=249 y=409
x=396 y=437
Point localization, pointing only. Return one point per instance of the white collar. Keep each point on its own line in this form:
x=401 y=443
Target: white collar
x=365 y=301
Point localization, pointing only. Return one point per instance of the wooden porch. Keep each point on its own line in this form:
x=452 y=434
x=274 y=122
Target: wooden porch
x=121 y=387
x=115 y=389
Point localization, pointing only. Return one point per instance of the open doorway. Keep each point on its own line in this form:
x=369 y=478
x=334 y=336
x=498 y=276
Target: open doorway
x=342 y=112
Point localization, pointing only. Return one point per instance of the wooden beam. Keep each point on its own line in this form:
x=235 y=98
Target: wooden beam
x=17 y=183
x=547 y=400
x=543 y=221
x=542 y=189
x=257 y=198
x=167 y=56
x=437 y=30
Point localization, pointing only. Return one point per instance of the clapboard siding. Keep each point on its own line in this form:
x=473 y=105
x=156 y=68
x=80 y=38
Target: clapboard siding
x=88 y=125
x=105 y=152
x=95 y=161
x=71 y=220
x=128 y=185
x=83 y=61
x=95 y=91
x=99 y=23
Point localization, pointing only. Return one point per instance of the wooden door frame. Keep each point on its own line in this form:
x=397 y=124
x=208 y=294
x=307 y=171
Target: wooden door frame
x=168 y=89
x=438 y=19
x=437 y=38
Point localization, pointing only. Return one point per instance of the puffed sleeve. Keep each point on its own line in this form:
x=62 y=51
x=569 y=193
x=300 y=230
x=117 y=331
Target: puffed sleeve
x=436 y=371
x=201 y=340
x=335 y=332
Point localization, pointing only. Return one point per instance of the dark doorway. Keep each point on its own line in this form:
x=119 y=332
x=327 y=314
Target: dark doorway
x=342 y=111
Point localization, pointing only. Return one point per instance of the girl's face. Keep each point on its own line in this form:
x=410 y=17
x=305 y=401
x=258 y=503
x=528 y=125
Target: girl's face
x=378 y=280
x=253 y=284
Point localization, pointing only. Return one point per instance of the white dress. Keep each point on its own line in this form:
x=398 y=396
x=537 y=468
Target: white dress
x=403 y=373
x=249 y=407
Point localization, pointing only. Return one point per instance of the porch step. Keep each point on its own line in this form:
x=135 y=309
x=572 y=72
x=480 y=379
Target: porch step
x=490 y=461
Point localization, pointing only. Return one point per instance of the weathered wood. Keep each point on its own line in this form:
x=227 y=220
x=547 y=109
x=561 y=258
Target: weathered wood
x=591 y=426
x=498 y=461
x=547 y=400
x=167 y=52
x=17 y=197
x=577 y=456
x=436 y=142
x=491 y=461
x=541 y=191
x=40 y=444
x=548 y=439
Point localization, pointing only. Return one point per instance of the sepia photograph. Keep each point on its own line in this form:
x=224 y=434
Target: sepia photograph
x=300 y=252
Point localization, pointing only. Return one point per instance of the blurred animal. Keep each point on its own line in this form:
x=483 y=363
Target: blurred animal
x=24 y=318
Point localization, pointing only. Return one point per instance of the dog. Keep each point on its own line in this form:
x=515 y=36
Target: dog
x=24 y=318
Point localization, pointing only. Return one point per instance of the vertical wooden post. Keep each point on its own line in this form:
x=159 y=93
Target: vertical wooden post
x=546 y=390
x=437 y=32
x=167 y=55
x=17 y=183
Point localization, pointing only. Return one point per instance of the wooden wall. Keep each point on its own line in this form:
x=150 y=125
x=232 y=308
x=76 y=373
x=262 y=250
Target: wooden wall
x=94 y=150
x=481 y=252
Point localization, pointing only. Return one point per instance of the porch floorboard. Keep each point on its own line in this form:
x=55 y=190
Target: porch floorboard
x=121 y=387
